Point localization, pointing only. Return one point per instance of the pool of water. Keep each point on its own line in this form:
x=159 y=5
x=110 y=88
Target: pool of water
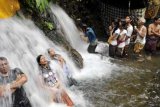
x=135 y=84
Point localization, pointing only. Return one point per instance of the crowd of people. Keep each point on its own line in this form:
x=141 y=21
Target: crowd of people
x=54 y=76
x=125 y=32
x=122 y=33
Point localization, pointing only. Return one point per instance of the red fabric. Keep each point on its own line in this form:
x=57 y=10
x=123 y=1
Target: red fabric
x=66 y=99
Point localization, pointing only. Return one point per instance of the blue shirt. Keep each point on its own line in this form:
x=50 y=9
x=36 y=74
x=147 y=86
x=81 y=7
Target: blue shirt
x=91 y=35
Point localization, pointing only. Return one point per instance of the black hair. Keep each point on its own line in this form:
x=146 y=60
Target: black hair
x=3 y=58
x=38 y=59
x=156 y=18
x=48 y=50
x=121 y=24
x=130 y=17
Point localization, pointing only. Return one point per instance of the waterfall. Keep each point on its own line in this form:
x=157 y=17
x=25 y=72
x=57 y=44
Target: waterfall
x=66 y=26
x=94 y=65
x=21 y=42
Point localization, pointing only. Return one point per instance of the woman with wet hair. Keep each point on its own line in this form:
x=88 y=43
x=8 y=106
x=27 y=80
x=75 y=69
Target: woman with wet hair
x=50 y=80
x=122 y=33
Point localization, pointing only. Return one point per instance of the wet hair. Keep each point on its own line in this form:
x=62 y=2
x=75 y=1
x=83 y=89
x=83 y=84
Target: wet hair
x=122 y=24
x=129 y=17
x=84 y=26
x=38 y=59
x=48 y=50
x=3 y=58
x=156 y=18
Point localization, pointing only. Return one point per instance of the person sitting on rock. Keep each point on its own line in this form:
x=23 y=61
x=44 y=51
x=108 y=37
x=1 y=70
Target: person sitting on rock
x=50 y=81
x=53 y=56
x=12 y=93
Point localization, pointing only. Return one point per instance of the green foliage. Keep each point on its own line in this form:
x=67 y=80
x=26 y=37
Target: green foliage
x=42 y=5
x=49 y=25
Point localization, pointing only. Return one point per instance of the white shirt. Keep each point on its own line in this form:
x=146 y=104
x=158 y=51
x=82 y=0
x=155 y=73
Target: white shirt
x=129 y=33
x=140 y=39
x=122 y=44
x=114 y=42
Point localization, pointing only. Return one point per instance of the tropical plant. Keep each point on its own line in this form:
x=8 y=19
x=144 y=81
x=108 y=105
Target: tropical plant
x=42 y=5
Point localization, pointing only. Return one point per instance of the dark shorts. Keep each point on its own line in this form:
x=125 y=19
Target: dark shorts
x=151 y=44
x=21 y=99
x=22 y=103
x=112 y=50
x=91 y=48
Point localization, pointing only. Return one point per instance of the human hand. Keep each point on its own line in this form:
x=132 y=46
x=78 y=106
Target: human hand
x=110 y=28
x=135 y=28
x=1 y=91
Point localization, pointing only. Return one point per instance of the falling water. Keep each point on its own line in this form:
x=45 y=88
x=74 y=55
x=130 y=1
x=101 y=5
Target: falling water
x=71 y=32
x=95 y=66
x=21 y=42
x=67 y=27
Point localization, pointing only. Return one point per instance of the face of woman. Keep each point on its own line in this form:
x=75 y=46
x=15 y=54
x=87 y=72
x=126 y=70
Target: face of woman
x=127 y=19
x=43 y=60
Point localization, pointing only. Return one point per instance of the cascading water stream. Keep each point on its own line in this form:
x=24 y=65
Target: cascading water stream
x=66 y=27
x=21 y=42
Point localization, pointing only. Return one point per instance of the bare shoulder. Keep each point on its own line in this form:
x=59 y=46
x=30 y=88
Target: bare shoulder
x=151 y=25
x=144 y=28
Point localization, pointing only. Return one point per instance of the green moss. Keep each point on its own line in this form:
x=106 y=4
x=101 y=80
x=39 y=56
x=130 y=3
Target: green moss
x=49 y=25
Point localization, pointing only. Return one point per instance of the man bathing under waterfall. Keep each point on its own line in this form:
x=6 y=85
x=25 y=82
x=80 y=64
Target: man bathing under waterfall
x=12 y=93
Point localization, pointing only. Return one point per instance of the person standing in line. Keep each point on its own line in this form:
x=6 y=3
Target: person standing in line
x=152 y=37
x=128 y=21
x=140 y=41
x=122 y=32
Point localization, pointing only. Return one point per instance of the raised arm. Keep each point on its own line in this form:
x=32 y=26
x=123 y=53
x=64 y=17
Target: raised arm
x=142 y=33
x=20 y=80
x=152 y=31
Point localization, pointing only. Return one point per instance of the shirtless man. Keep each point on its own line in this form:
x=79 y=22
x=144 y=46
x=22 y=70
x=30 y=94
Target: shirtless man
x=153 y=35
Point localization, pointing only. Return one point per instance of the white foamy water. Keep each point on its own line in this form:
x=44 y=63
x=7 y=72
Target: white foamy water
x=21 y=42
x=94 y=66
x=67 y=27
